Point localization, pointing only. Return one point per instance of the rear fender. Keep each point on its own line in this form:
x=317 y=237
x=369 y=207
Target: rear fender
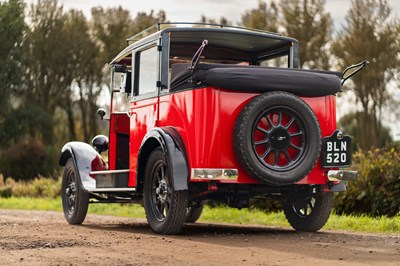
x=85 y=159
x=172 y=145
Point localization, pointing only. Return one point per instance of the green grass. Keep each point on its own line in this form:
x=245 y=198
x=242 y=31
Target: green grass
x=218 y=214
x=46 y=204
x=51 y=204
x=336 y=222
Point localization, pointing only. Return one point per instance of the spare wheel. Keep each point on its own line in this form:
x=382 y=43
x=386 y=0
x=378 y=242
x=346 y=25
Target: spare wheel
x=277 y=138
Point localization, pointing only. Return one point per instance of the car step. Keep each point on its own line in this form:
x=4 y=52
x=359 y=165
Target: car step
x=111 y=180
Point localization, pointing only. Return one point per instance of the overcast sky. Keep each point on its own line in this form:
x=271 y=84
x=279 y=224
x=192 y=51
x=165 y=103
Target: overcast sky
x=191 y=10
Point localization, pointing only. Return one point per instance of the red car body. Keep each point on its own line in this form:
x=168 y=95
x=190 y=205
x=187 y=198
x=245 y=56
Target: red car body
x=205 y=120
x=188 y=125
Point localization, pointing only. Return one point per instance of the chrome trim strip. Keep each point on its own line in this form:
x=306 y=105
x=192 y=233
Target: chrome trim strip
x=112 y=190
x=109 y=172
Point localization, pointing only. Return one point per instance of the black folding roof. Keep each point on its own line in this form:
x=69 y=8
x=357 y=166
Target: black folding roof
x=236 y=38
x=244 y=40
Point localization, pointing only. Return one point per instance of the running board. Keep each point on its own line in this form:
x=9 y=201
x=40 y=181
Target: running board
x=106 y=190
x=111 y=181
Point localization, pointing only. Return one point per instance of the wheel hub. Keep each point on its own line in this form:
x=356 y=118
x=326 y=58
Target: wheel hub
x=162 y=191
x=279 y=139
x=70 y=192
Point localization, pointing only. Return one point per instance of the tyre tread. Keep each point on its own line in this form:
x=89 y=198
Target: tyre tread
x=316 y=220
x=174 y=222
x=82 y=197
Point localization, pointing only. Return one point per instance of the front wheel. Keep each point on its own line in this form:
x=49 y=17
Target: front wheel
x=310 y=214
x=75 y=199
x=165 y=208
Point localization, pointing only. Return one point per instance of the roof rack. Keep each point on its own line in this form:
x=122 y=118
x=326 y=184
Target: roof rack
x=162 y=25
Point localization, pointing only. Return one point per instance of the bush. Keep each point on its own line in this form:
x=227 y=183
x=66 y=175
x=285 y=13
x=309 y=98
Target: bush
x=25 y=161
x=40 y=187
x=5 y=192
x=377 y=192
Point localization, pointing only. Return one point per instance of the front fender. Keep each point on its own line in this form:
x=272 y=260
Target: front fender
x=85 y=159
x=172 y=145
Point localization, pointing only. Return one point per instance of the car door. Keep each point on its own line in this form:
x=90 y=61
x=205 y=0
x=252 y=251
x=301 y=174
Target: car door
x=144 y=105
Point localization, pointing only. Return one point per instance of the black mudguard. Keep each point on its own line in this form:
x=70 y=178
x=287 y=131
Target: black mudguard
x=86 y=159
x=172 y=145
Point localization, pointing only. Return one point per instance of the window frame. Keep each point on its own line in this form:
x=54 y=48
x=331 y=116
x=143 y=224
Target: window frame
x=117 y=93
x=136 y=59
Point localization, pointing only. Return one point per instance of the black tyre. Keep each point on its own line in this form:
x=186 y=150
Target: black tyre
x=277 y=138
x=311 y=214
x=165 y=208
x=193 y=213
x=75 y=199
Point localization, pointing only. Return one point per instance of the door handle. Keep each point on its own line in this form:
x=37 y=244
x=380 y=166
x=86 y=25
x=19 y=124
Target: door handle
x=131 y=113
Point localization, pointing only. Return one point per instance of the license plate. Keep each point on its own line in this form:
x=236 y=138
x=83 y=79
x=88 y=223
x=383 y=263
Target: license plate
x=336 y=151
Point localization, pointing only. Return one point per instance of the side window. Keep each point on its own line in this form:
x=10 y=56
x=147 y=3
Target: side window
x=120 y=97
x=147 y=71
x=281 y=61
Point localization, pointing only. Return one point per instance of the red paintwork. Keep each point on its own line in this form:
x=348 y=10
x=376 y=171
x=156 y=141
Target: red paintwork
x=143 y=119
x=112 y=149
x=205 y=118
x=119 y=124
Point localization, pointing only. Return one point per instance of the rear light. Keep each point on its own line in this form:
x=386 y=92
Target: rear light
x=214 y=174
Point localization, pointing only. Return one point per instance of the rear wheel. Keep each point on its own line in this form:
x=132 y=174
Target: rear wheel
x=165 y=208
x=193 y=213
x=75 y=199
x=309 y=214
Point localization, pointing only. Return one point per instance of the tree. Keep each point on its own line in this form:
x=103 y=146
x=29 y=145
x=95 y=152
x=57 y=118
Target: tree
x=143 y=20
x=309 y=23
x=82 y=68
x=348 y=124
x=46 y=77
x=370 y=35
x=263 y=17
x=304 y=20
x=222 y=20
x=12 y=27
x=111 y=28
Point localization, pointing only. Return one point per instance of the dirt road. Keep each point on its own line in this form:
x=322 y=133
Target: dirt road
x=44 y=238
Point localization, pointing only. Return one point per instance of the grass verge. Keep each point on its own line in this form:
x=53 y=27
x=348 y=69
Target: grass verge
x=218 y=214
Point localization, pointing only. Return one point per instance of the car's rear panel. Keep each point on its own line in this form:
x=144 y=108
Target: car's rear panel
x=205 y=118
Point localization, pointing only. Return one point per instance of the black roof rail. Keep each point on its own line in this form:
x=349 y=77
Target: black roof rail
x=161 y=25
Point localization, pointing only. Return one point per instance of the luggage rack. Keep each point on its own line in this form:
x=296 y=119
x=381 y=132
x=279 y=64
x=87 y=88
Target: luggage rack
x=163 y=25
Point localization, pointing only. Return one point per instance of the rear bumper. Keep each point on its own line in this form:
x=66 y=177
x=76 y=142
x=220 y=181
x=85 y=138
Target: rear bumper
x=334 y=175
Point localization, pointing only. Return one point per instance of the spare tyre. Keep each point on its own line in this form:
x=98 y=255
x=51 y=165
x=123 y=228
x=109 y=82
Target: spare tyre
x=277 y=138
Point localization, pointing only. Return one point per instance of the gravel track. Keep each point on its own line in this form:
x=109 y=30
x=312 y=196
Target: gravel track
x=44 y=238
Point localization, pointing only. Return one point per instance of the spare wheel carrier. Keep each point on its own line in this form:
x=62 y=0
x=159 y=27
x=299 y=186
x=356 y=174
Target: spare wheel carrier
x=277 y=138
